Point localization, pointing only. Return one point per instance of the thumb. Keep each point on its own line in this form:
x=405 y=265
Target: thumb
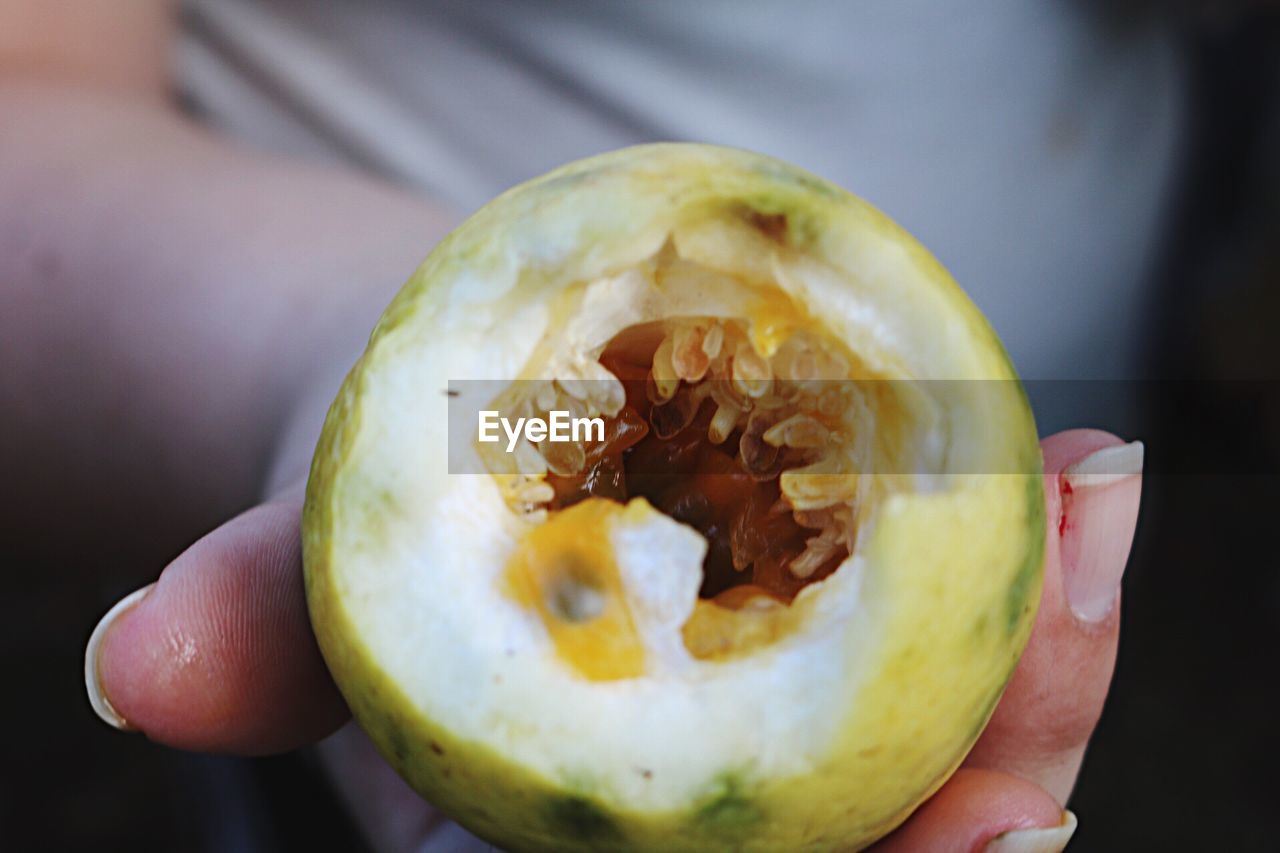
x=218 y=654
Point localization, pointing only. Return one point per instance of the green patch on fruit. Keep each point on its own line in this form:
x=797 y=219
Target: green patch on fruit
x=1018 y=600
x=579 y=818
x=397 y=743
x=726 y=809
x=805 y=181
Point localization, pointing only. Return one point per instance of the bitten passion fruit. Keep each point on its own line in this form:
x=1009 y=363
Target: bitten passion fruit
x=770 y=607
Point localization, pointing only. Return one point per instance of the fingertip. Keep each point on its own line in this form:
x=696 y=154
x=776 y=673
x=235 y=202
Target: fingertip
x=1045 y=839
x=1099 y=497
x=1063 y=448
x=218 y=656
x=974 y=809
x=1092 y=487
x=93 y=681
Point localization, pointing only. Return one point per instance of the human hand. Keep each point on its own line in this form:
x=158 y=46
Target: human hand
x=218 y=656
x=1010 y=792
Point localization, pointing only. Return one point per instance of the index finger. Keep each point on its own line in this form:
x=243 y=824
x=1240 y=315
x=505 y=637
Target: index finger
x=1043 y=722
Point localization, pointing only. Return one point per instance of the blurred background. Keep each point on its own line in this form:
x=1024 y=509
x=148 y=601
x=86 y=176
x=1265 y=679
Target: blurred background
x=1129 y=256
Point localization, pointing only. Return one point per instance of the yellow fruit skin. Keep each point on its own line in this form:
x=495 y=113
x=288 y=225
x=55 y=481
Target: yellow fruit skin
x=952 y=582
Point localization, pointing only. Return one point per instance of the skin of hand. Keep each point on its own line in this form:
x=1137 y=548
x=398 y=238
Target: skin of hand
x=176 y=314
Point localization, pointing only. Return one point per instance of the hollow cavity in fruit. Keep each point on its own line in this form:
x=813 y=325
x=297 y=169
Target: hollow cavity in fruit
x=747 y=425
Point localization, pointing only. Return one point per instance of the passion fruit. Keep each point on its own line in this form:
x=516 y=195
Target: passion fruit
x=769 y=604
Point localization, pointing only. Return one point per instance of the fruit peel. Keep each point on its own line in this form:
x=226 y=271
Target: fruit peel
x=948 y=580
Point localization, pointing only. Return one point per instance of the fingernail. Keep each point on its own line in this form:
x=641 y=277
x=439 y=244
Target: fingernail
x=92 y=678
x=1049 y=840
x=1100 y=497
